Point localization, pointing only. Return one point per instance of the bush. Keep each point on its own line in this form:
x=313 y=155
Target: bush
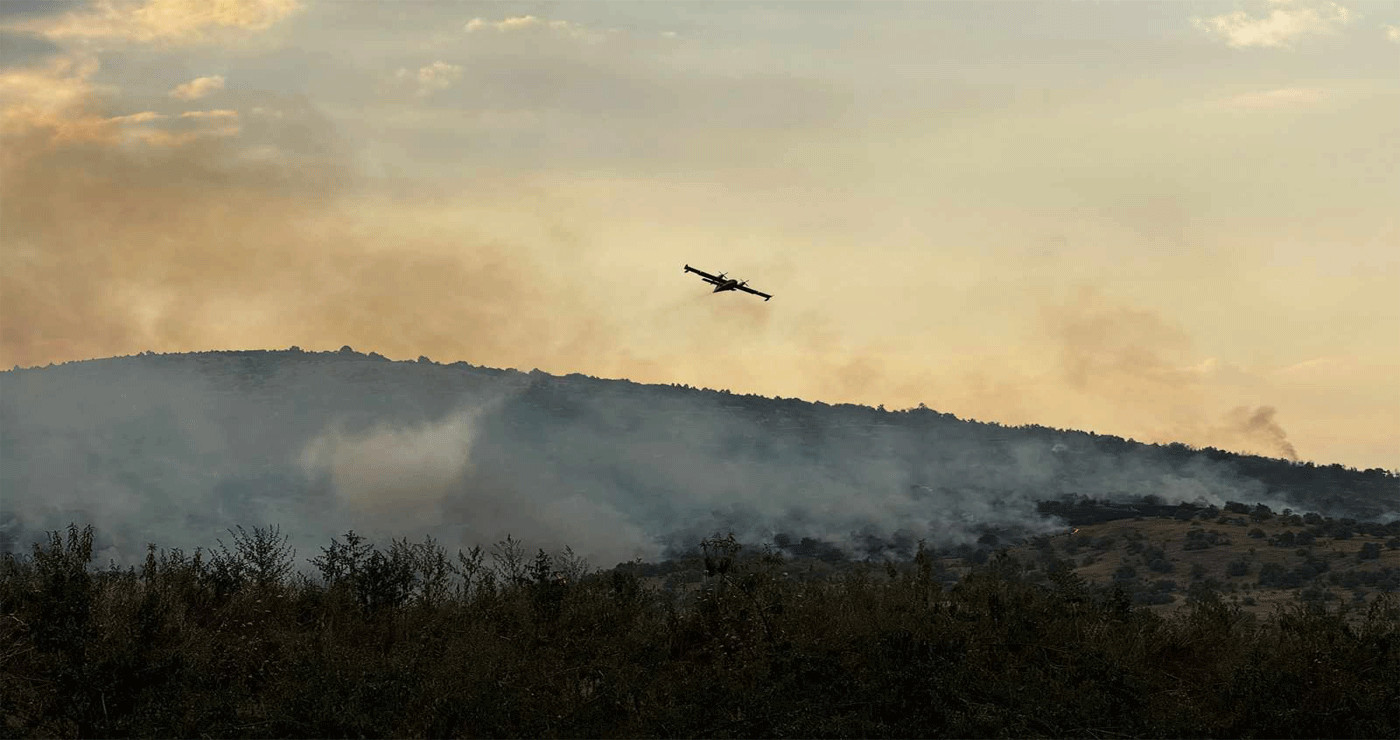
x=1199 y=539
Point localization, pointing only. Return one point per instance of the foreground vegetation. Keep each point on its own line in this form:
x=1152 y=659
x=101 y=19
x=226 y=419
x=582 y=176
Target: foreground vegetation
x=408 y=641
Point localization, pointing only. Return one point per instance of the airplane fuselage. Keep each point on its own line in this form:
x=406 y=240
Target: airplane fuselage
x=726 y=285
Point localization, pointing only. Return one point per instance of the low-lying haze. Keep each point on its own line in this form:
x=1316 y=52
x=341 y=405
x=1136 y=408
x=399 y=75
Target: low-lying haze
x=175 y=449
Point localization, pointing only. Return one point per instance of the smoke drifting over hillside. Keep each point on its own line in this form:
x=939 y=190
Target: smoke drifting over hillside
x=395 y=475
x=175 y=449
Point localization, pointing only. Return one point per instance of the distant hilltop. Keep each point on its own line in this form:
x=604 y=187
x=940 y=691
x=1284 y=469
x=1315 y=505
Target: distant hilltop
x=184 y=446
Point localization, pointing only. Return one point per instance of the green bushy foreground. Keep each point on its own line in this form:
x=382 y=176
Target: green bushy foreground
x=409 y=641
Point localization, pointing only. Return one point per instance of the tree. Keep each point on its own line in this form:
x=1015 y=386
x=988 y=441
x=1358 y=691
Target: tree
x=261 y=557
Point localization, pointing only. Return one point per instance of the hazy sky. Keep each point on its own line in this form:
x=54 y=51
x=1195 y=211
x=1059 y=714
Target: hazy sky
x=1168 y=221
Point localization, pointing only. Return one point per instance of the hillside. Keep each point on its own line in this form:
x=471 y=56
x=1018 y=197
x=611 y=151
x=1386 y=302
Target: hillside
x=179 y=448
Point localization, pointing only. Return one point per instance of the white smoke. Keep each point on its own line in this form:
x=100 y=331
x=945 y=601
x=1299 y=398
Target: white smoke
x=175 y=450
x=395 y=475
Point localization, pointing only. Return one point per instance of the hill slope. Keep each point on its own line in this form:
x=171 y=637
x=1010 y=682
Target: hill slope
x=177 y=448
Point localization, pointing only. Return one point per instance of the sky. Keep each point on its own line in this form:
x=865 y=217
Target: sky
x=1169 y=221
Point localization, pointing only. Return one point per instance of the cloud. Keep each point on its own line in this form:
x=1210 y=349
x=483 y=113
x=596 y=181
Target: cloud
x=431 y=78
x=197 y=88
x=1280 y=28
x=142 y=117
x=56 y=105
x=521 y=23
x=514 y=23
x=1280 y=98
x=179 y=21
x=208 y=123
x=218 y=122
x=55 y=98
x=218 y=113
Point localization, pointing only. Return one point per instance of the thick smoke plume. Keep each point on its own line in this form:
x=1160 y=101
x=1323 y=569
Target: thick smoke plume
x=1257 y=426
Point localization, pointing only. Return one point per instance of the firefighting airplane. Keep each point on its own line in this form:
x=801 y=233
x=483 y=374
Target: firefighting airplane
x=723 y=283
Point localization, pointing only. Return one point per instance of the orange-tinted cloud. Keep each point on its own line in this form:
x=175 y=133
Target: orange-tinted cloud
x=180 y=21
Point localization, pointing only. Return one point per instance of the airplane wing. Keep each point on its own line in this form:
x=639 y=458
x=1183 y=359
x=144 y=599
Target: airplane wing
x=755 y=292
x=701 y=273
